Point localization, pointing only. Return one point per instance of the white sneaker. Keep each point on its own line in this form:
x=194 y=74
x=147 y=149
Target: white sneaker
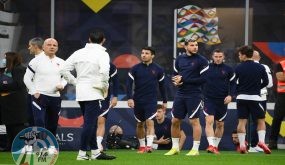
x=258 y=149
x=29 y=149
x=52 y=150
x=252 y=149
x=82 y=157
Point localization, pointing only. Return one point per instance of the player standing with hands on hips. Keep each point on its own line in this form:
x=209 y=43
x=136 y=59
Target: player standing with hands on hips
x=146 y=77
x=92 y=67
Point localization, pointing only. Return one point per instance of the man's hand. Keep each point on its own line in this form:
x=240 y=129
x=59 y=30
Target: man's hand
x=228 y=99
x=59 y=88
x=176 y=80
x=113 y=102
x=131 y=103
x=163 y=141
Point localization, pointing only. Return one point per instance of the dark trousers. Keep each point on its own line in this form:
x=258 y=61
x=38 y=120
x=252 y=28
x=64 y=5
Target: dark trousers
x=90 y=112
x=30 y=111
x=279 y=114
x=12 y=131
x=46 y=112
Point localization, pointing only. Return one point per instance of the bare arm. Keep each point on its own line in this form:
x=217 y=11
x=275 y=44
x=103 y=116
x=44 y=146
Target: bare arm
x=162 y=140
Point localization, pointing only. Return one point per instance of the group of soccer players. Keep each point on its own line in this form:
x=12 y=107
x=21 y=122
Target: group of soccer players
x=199 y=83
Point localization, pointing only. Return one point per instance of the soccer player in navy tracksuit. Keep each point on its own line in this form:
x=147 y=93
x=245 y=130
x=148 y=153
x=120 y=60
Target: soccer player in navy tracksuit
x=251 y=78
x=107 y=104
x=189 y=70
x=162 y=128
x=218 y=91
x=146 y=77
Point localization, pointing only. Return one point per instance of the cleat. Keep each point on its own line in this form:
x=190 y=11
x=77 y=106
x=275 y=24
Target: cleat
x=243 y=150
x=266 y=150
x=148 y=149
x=193 y=153
x=173 y=151
x=85 y=157
x=212 y=149
x=217 y=150
x=141 y=150
x=102 y=156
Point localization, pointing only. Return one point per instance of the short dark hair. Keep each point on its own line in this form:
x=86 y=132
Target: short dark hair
x=151 y=49
x=234 y=131
x=37 y=41
x=218 y=51
x=246 y=50
x=97 y=36
x=186 y=41
x=159 y=106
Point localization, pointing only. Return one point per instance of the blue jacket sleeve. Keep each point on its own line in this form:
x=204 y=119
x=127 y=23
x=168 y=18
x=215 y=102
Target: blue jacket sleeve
x=115 y=80
x=232 y=86
x=162 y=87
x=265 y=80
x=175 y=67
x=130 y=81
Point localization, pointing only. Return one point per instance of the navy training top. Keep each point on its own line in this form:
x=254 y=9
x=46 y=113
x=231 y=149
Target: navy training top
x=146 y=80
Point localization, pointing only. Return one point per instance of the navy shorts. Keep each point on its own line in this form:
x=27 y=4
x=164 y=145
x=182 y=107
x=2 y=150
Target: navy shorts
x=183 y=106
x=216 y=108
x=247 y=107
x=263 y=104
x=105 y=107
x=144 y=111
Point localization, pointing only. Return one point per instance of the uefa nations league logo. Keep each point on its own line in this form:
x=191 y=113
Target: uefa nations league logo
x=35 y=145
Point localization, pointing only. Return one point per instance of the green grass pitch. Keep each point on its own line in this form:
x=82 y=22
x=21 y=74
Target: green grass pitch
x=130 y=157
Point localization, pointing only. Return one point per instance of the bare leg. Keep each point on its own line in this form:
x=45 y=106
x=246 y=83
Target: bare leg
x=209 y=129
x=100 y=131
x=197 y=131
